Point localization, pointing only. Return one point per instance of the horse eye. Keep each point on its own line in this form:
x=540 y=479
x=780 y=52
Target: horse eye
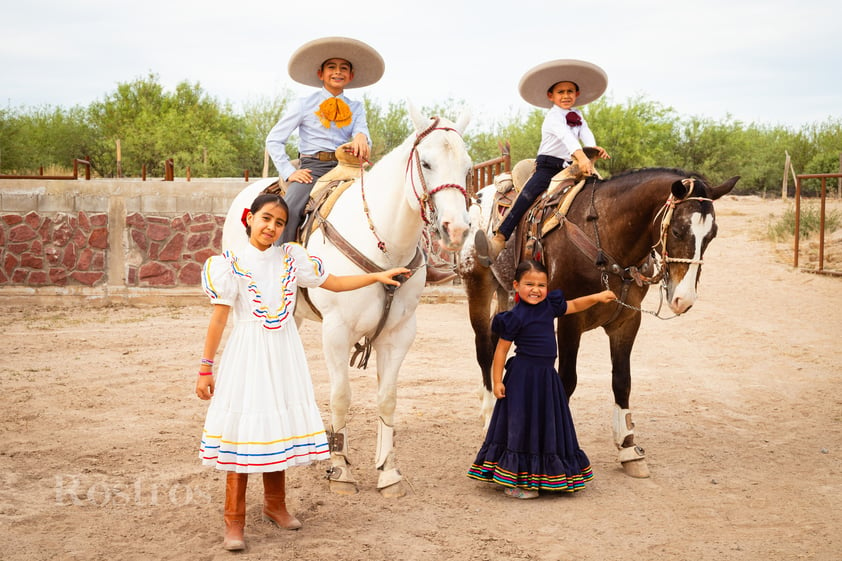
x=677 y=233
x=425 y=165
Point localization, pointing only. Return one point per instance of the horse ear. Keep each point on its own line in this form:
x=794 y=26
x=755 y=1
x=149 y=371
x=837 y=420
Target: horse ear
x=418 y=119
x=463 y=120
x=679 y=189
x=724 y=188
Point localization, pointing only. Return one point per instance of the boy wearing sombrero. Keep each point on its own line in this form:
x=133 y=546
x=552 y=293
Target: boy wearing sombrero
x=325 y=119
x=560 y=85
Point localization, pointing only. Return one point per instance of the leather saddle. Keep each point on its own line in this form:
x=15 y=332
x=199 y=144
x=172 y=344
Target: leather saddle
x=549 y=209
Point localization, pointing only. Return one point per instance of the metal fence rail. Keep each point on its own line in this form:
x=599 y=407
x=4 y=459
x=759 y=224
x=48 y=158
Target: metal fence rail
x=823 y=208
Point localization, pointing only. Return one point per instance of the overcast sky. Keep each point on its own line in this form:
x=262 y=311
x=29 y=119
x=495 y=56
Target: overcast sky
x=770 y=62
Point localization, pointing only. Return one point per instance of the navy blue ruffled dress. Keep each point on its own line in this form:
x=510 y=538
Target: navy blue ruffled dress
x=531 y=441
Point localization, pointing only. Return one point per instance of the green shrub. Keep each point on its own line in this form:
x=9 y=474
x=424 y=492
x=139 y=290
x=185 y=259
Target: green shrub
x=784 y=227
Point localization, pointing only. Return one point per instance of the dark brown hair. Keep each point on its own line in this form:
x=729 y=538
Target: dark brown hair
x=261 y=201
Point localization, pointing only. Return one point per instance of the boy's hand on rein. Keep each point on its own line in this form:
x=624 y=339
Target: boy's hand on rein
x=585 y=164
x=360 y=147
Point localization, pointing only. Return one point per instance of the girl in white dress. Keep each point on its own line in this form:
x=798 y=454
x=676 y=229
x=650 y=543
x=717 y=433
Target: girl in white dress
x=263 y=416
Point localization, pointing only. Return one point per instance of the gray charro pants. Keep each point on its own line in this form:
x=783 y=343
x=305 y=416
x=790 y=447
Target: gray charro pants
x=298 y=193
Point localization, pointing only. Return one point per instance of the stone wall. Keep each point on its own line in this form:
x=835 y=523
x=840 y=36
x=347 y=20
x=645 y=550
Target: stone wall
x=109 y=239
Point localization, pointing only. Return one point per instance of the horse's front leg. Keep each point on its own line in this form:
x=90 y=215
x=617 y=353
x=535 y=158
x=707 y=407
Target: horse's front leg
x=391 y=350
x=336 y=345
x=621 y=339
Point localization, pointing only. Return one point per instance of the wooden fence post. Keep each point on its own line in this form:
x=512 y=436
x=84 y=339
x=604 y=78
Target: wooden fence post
x=119 y=159
x=784 y=182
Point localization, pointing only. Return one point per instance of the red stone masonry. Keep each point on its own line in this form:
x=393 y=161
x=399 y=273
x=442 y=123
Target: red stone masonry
x=60 y=249
x=65 y=249
x=171 y=250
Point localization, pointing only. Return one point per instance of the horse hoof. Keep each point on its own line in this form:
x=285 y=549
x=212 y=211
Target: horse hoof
x=394 y=491
x=636 y=468
x=343 y=488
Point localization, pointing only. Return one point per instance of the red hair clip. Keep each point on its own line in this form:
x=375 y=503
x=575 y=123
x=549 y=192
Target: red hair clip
x=246 y=212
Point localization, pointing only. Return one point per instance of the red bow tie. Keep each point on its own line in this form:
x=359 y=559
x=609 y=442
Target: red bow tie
x=573 y=119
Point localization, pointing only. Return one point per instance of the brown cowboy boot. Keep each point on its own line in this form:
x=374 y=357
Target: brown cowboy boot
x=274 y=501
x=235 y=511
x=439 y=276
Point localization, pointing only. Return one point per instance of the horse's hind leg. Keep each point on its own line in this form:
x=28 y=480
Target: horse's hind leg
x=485 y=298
x=621 y=339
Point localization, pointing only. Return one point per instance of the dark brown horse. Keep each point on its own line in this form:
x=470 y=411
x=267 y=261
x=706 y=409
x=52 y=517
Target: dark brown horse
x=639 y=228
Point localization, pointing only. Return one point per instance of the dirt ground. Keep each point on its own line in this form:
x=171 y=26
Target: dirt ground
x=738 y=405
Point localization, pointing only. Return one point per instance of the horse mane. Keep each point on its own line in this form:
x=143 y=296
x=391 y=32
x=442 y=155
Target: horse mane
x=636 y=173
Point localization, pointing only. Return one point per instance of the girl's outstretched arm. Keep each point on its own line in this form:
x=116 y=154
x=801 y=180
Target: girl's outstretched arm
x=582 y=303
x=219 y=317
x=342 y=283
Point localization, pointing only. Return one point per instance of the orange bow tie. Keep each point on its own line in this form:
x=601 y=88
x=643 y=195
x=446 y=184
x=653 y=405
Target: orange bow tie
x=334 y=110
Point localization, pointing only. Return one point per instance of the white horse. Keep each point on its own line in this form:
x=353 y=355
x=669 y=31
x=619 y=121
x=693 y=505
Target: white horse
x=382 y=216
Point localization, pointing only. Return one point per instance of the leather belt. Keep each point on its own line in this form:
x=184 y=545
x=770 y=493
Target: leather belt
x=321 y=156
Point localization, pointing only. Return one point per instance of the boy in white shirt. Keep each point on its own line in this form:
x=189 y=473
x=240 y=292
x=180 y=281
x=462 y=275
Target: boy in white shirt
x=560 y=85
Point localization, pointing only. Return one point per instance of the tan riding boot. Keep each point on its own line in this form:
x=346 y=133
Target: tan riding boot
x=274 y=501
x=235 y=511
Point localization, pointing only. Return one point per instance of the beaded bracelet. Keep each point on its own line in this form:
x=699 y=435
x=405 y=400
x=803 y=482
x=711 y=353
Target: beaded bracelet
x=205 y=373
x=207 y=362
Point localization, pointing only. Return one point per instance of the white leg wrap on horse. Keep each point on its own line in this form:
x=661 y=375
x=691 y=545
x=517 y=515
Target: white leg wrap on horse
x=384 y=459
x=338 y=441
x=487 y=407
x=385 y=443
x=389 y=477
x=630 y=454
x=339 y=470
x=622 y=425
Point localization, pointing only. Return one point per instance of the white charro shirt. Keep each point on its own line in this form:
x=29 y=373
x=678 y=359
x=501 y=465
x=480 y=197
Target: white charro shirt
x=560 y=139
x=313 y=136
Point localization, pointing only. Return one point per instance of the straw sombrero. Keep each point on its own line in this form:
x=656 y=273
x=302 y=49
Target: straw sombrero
x=590 y=78
x=306 y=61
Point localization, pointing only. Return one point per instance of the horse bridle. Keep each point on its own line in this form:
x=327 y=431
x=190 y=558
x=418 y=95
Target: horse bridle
x=659 y=248
x=425 y=198
x=667 y=210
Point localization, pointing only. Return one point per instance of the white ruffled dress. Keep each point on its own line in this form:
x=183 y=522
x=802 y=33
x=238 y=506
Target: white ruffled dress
x=263 y=415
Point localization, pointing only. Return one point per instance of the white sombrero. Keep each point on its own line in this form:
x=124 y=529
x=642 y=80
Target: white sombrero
x=306 y=61
x=590 y=78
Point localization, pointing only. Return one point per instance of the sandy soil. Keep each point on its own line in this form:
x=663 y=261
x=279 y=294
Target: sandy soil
x=738 y=405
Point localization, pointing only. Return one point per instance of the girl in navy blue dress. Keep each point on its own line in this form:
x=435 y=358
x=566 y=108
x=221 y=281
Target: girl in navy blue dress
x=531 y=443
